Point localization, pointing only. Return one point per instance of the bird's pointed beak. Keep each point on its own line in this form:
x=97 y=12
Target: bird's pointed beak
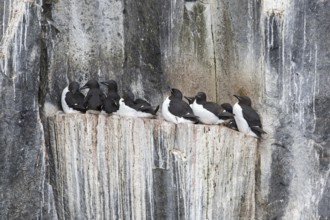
x=189 y=98
x=238 y=97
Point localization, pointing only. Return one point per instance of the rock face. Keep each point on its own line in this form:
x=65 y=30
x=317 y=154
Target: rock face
x=22 y=144
x=124 y=168
x=277 y=52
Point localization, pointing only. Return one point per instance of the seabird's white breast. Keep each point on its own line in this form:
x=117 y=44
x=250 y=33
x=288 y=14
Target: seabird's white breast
x=205 y=116
x=125 y=110
x=65 y=106
x=166 y=113
x=241 y=123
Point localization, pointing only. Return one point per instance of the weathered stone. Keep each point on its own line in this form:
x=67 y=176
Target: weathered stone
x=277 y=52
x=125 y=168
x=22 y=144
x=188 y=48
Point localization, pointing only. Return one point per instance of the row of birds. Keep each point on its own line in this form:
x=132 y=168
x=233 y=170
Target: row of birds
x=241 y=116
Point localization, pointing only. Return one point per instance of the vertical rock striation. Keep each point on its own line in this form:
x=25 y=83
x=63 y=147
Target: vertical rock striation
x=187 y=47
x=22 y=144
x=125 y=168
x=277 y=52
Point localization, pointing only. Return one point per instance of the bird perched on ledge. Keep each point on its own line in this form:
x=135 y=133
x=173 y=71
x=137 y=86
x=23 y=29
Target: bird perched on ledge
x=246 y=118
x=111 y=102
x=231 y=122
x=140 y=108
x=209 y=112
x=72 y=99
x=175 y=110
x=144 y=106
x=95 y=97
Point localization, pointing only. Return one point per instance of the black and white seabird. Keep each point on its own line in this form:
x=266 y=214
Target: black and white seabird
x=128 y=98
x=209 y=112
x=140 y=108
x=231 y=122
x=111 y=102
x=72 y=99
x=126 y=106
x=144 y=106
x=95 y=97
x=247 y=119
x=175 y=110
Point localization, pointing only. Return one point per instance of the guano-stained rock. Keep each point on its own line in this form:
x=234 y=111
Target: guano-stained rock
x=277 y=52
x=125 y=168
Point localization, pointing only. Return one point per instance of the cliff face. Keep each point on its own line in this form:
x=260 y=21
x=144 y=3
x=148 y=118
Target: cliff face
x=124 y=168
x=277 y=52
x=22 y=144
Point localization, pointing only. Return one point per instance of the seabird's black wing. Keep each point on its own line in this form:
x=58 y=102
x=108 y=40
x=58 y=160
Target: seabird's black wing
x=74 y=103
x=128 y=97
x=69 y=99
x=155 y=110
x=253 y=120
x=94 y=99
x=109 y=106
x=182 y=109
x=102 y=95
x=129 y=103
x=111 y=102
x=79 y=97
x=251 y=116
x=257 y=130
x=217 y=110
x=144 y=106
x=114 y=97
x=146 y=109
x=142 y=102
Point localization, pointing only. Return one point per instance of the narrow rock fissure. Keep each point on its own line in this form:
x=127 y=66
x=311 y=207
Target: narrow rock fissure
x=214 y=58
x=43 y=75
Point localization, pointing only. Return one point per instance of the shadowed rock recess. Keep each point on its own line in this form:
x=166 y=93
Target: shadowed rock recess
x=275 y=51
x=125 y=168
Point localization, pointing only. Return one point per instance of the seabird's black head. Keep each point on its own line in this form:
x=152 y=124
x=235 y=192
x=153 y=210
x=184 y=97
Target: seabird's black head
x=200 y=97
x=111 y=84
x=244 y=100
x=175 y=94
x=128 y=95
x=91 y=84
x=228 y=107
x=74 y=87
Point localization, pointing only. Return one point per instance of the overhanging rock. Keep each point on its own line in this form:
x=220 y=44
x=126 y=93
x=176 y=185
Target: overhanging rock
x=125 y=168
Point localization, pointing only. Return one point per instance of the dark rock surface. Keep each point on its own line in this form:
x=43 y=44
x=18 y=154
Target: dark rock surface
x=22 y=146
x=277 y=52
